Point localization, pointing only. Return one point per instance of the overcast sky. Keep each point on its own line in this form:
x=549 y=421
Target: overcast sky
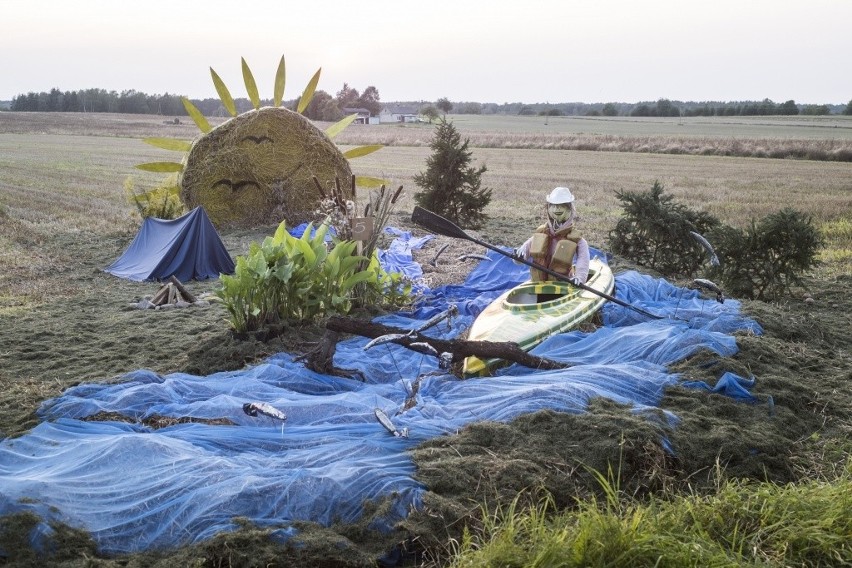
x=466 y=50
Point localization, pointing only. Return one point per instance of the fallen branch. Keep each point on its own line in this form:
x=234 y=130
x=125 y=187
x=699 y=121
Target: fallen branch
x=459 y=348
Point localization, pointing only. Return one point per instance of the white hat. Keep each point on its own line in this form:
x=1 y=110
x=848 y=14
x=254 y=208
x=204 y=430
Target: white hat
x=560 y=195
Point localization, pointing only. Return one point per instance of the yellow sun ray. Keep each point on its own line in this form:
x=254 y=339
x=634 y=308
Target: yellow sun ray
x=308 y=93
x=280 y=76
x=251 y=85
x=367 y=181
x=169 y=144
x=338 y=127
x=224 y=93
x=361 y=151
x=196 y=115
x=162 y=167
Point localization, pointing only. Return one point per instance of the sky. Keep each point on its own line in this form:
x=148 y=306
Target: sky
x=530 y=51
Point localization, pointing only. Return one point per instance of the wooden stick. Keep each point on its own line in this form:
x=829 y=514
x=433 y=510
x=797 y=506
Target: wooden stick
x=162 y=296
x=319 y=187
x=183 y=291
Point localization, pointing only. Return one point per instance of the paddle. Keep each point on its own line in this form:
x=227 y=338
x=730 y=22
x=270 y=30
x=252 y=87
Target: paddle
x=442 y=226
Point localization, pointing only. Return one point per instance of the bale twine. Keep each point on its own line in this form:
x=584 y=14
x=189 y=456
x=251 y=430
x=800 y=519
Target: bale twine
x=258 y=168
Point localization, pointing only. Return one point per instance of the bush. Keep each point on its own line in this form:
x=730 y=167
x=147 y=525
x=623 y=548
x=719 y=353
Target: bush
x=655 y=232
x=452 y=188
x=289 y=278
x=162 y=202
x=766 y=260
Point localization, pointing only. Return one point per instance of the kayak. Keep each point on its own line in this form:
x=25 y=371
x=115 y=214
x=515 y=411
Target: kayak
x=533 y=311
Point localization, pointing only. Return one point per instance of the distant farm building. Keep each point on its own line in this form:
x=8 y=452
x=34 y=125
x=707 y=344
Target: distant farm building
x=363 y=115
x=399 y=113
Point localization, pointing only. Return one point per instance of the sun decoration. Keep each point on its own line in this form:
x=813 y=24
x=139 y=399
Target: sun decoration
x=258 y=167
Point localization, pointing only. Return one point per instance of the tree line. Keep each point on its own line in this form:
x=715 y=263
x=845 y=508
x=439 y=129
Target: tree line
x=661 y=107
x=326 y=107
x=323 y=106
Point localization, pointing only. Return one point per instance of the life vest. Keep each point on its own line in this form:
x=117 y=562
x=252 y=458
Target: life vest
x=554 y=251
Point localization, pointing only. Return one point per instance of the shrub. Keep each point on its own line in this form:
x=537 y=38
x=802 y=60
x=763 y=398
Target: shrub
x=290 y=278
x=656 y=232
x=452 y=188
x=767 y=259
x=162 y=202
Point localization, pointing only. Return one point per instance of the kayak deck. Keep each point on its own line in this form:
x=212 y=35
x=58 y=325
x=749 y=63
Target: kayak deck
x=533 y=311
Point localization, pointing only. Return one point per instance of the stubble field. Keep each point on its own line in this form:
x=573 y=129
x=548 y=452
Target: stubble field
x=64 y=217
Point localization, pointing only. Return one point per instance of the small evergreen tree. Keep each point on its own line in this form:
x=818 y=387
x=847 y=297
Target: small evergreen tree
x=765 y=261
x=655 y=232
x=452 y=187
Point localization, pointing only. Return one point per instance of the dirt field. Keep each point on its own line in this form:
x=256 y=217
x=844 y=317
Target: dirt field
x=63 y=321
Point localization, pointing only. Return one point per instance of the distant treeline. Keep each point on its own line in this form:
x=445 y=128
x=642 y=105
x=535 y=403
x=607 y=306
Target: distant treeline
x=134 y=102
x=126 y=102
x=661 y=107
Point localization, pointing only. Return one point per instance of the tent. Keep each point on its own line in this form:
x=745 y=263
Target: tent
x=188 y=248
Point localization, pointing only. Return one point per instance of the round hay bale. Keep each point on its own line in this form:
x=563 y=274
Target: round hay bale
x=258 y=167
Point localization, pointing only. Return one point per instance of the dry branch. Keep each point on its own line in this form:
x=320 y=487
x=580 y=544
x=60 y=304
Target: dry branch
x=460 y=348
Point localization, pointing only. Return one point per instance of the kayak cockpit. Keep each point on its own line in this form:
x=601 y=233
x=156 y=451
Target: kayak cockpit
x=533 y=296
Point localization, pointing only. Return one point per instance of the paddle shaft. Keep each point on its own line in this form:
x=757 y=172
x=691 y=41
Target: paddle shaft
x=450 y=229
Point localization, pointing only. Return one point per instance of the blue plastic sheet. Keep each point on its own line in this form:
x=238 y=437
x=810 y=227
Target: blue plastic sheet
x=135 y=488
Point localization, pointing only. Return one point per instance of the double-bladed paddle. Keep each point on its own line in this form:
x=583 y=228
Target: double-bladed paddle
x=442 y=226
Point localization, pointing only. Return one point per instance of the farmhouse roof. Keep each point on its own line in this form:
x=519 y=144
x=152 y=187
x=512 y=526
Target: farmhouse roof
x=400 y=109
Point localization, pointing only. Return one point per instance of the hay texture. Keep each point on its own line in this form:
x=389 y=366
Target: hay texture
x=257 y=169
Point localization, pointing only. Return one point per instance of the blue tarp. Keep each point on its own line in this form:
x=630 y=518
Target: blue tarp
x=188 y=248
x=135 y=488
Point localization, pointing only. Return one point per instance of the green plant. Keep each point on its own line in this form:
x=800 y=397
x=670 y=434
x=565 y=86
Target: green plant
x=656 y=232
x=452 y=188
x=767 y=259
x=290 y=278
x=162 y=202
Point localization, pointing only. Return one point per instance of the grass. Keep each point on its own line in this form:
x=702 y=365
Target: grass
x=741 y=523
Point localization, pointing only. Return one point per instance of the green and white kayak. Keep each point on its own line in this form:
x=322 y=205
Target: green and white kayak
x=533 y=311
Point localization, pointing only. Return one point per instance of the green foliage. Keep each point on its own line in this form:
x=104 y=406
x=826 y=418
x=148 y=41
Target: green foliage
x=444 y=105
x=739 y=524
x=162 y=202
x=848 y=110
x=430 y=113
x=609 y=109
x=290 y=278
x=655 y=232
x=452 y=188
x=764 y=261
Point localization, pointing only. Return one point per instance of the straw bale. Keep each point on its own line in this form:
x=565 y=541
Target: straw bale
x=258 y=167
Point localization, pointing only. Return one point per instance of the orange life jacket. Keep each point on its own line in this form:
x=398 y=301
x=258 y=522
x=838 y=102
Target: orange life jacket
x=553 y=250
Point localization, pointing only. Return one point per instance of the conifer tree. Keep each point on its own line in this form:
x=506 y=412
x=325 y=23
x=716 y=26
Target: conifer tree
x=452 y=187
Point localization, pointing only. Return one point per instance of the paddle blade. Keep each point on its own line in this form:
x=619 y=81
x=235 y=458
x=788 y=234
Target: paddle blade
x=437 y=224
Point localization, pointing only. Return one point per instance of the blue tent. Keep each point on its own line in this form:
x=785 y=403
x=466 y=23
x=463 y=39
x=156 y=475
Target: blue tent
x=188 y=248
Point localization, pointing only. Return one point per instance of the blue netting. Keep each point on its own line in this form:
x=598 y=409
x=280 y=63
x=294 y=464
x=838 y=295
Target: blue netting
x=135 y=488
